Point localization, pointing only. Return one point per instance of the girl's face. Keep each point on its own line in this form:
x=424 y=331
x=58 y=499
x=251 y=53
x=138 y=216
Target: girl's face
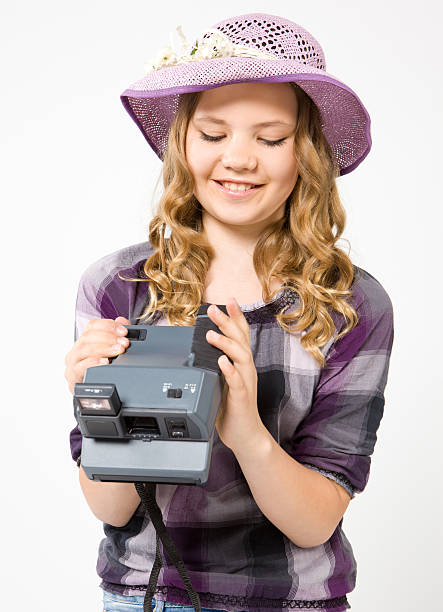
x=226 y=143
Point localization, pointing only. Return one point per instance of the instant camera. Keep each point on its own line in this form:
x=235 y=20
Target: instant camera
x=150 y=414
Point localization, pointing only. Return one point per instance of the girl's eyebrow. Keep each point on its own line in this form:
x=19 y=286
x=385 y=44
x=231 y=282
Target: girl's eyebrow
x=222 y=122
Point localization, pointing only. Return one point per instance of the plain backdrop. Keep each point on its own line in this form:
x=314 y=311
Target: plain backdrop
x=79 y=182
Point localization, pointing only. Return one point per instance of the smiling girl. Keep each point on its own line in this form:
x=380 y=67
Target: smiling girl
x=252 y=133
x=239 y=148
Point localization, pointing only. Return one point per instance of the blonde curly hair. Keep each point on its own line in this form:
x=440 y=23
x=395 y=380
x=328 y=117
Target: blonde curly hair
x=300 y=249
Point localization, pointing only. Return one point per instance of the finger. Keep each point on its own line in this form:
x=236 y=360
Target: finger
x=226 y=366
x=122 y=321
x=238 y=352
x=90 y=362
x=99 y=326
x=234 y=380
x=99 y=336
x=108 y=325
x=234 y=326
x=105 y=324
x=80 y=374
x=99 y=347
x=76 y=374
x=233 y=308
x=236 y=313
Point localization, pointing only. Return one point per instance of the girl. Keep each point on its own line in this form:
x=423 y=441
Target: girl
x=252 y=133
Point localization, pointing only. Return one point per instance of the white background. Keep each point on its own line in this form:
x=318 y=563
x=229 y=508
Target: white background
x=78 y=182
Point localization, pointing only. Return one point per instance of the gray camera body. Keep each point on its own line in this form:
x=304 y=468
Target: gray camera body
x=150 y=414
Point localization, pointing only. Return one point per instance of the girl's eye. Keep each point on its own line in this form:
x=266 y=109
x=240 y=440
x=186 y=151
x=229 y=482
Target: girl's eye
x=269 y=143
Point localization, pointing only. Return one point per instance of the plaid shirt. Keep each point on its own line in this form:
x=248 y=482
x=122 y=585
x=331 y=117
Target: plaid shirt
x=325 y=418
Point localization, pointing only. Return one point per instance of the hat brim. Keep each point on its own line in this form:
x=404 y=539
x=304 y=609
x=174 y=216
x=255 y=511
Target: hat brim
x=153 y=100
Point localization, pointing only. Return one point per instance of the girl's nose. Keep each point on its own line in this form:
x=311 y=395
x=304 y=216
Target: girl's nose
x=238 y=155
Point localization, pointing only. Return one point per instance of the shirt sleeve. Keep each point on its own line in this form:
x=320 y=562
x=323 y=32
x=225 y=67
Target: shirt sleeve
x=89 y=305
x=338 y=435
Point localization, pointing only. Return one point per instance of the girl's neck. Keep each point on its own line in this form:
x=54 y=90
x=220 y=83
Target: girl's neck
x=232 y=247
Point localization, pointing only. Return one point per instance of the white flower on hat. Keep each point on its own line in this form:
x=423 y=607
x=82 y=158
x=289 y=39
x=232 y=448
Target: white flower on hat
x=168 y=56
x=214 y=45
x=165 y=57
x=210 y=44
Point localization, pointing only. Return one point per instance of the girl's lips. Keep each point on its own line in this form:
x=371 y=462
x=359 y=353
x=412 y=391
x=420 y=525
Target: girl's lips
x=237 y=194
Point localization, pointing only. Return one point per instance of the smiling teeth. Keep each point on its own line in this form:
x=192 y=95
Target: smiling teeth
x=237 y=186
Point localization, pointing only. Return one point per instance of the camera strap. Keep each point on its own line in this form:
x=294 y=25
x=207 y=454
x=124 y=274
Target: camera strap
x=146 y=490
x=205 y=356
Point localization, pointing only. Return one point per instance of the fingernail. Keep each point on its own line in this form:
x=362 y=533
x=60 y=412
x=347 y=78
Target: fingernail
x=121 y=329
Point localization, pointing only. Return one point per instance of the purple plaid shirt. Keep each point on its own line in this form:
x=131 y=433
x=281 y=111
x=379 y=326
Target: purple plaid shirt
x=325 y=418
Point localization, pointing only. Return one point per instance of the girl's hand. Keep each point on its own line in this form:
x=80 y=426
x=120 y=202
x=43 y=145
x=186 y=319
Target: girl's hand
x=101 y=339
x=238 y=422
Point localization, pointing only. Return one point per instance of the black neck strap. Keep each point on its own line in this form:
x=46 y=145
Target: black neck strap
x=146 y=490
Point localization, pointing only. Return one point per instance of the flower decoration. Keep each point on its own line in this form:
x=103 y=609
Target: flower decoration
x=210 y=44
x=165 y=57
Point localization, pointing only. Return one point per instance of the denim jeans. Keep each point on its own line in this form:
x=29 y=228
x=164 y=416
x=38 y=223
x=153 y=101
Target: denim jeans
x=113 y=602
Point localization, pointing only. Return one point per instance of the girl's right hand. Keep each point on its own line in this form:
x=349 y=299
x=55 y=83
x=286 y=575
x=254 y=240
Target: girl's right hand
x=101 y=339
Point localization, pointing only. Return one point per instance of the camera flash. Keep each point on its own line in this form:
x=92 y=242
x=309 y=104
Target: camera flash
x=97 y=399
x=94 y=403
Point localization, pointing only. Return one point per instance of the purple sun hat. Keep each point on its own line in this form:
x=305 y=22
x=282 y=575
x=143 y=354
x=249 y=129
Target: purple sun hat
x=256 y=47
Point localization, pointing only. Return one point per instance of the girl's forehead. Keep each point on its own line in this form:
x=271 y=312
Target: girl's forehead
x=262 y=102
x=262 y=91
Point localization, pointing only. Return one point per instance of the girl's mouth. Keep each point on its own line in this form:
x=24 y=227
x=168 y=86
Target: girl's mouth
x=238 y=194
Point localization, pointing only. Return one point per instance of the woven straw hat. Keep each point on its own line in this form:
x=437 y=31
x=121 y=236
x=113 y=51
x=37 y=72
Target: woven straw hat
x=255 y=47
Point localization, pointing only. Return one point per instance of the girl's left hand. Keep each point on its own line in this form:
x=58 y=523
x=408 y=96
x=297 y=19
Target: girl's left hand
x=238 y=422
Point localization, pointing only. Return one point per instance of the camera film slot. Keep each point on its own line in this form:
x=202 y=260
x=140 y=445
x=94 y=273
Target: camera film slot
x=143 y=427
